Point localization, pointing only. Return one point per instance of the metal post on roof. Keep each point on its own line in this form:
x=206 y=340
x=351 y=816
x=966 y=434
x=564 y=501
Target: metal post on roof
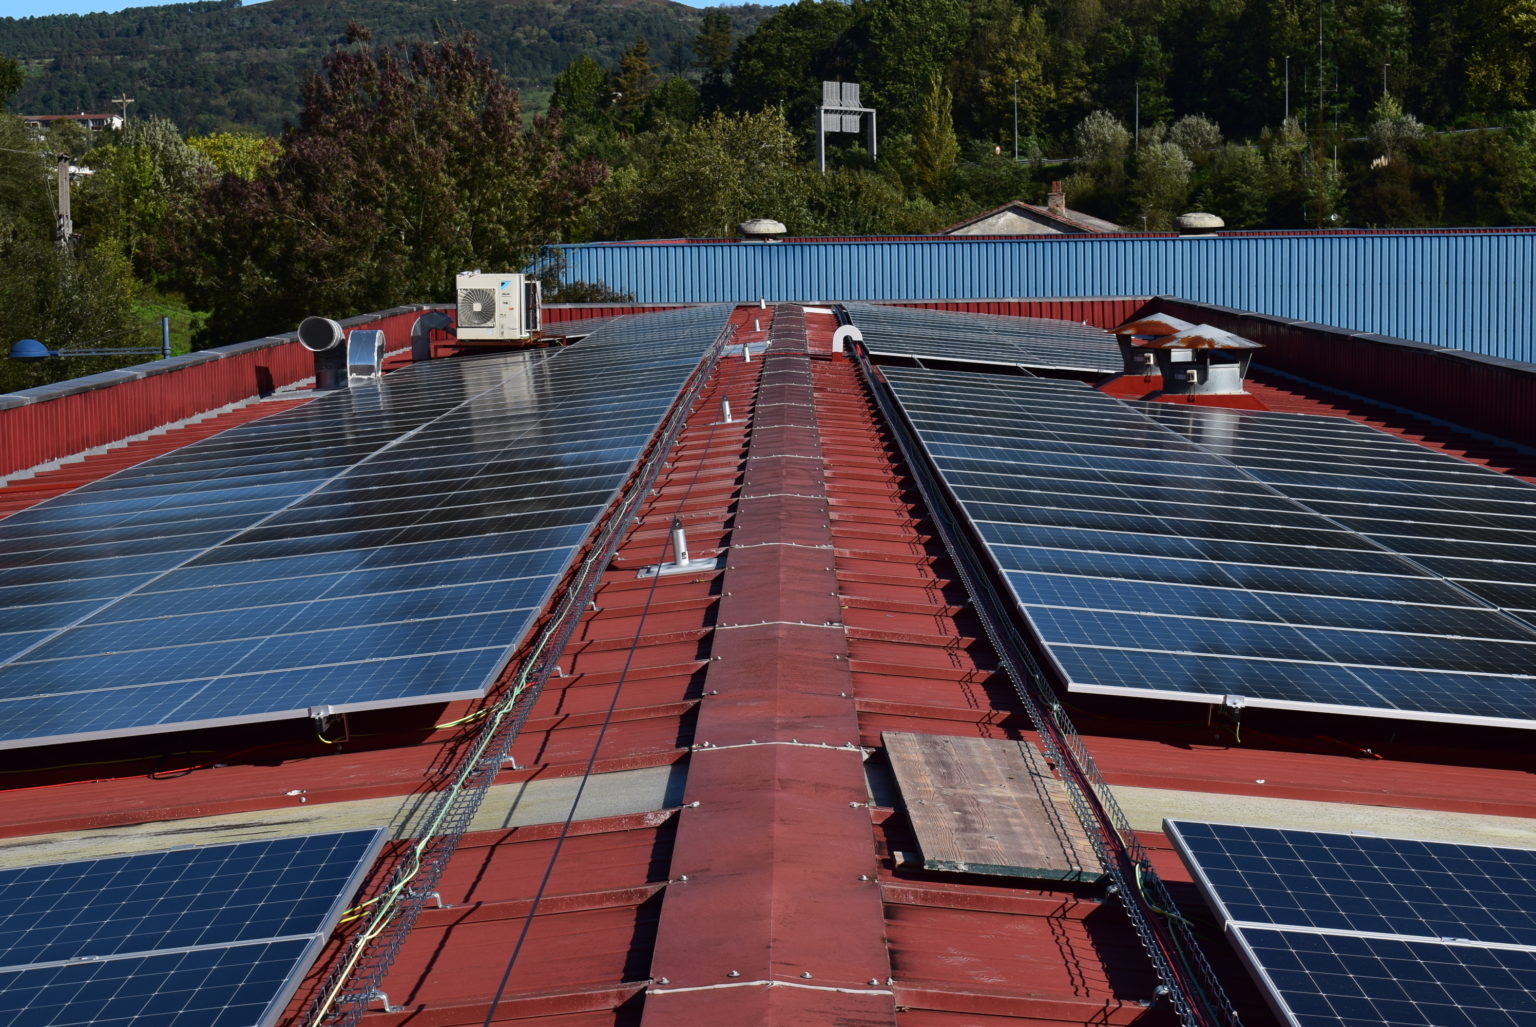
x=725 y=412
x=165 y=338
x=679 y=543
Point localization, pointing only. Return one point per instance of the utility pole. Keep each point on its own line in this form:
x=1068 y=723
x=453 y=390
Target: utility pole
x=66 y=225
x=1015 y=121
x=123 y=100
x=1287 y=87
x=1138 y=116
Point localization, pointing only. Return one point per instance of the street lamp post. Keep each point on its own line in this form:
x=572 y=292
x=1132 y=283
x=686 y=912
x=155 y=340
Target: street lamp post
x=1015 y=121
x=31 y=349
x=1287 y=87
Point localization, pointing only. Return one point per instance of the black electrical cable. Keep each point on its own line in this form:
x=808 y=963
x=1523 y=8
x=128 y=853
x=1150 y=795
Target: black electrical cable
x=586 y=774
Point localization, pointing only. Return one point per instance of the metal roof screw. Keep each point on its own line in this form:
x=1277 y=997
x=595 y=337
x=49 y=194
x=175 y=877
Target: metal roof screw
x=694 y=804
x=733 y=973
x=874 y=982
x=863 y=877
x=682 y=878
x=662 y=980
x=806 y=975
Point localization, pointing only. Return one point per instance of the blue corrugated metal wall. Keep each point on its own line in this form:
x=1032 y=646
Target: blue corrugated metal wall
x=1470 y=290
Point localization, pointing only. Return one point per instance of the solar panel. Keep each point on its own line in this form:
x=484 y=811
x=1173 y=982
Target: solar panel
x=1148 y=563
x=382 y=545
x=216 y=935
x=985 y=339
x=1349 y=928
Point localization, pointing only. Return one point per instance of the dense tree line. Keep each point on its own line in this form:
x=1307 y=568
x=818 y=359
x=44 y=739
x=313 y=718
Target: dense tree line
x=408 y=162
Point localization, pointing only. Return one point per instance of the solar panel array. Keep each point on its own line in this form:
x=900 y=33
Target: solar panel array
x=1472 y=525
x=382 y=545
x=217 y=936
x=985 y=338
x=1352 y=929
x=1150 y=566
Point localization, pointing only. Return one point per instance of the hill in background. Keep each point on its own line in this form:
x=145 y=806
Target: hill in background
x=216 y=65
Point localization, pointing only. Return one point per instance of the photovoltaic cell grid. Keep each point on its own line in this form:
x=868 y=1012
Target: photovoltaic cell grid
x=1350 y=929
x=1150 y=566
x=1472 y=525
x=985 y=338
x=217 y=936
x=382 y=545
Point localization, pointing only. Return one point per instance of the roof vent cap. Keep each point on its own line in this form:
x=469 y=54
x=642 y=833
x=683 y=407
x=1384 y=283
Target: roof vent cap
x=761 y=228
x=1195 y=225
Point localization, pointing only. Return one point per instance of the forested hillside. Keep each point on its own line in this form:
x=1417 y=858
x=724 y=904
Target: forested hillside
x=215 y=65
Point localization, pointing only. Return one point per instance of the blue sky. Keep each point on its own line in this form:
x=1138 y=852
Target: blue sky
x=33 y=8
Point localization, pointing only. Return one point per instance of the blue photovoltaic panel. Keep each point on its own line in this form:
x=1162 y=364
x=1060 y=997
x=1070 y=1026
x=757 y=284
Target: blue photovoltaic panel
x=1348 y=929
x=1461 y=520
x=219 y=934
x=1159 y=563
x=1443 y=891
x=382 y=545
x=984 y=338
x=1340 y=980
x=232 y=986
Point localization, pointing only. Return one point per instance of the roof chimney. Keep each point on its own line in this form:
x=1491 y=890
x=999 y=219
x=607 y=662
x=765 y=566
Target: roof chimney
x=1056 y=200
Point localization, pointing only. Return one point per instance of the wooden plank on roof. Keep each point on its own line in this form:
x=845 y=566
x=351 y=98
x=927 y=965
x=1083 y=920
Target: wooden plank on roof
x=989 y=806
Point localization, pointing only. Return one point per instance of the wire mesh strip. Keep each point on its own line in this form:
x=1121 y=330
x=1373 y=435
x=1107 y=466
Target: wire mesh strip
x=1189 y=983
x=360 y=968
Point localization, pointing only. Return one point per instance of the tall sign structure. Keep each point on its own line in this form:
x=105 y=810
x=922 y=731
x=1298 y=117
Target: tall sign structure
x=840 y=111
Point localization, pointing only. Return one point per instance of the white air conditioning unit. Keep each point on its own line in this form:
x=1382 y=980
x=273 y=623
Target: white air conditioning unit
x=497 y=306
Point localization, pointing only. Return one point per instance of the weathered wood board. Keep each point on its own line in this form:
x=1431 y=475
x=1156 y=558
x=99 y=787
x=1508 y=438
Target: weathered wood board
x=989 y=806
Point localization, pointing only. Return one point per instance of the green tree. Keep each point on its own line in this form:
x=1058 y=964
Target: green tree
x=12 y=78
x=632 y=85
x=580 y=91
x=702 y=180
x=144 y=192
x=1160 y=186
x=65 y=297
x=410 y=164
x=712 y=49
x=237 y=153
x=1517 y=190
x=1016 y=70
x=902 y=45
x=1235 y=184
x=785 y=61
x=934 y=144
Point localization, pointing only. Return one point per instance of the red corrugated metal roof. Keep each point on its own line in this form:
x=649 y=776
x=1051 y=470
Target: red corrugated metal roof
x=837 y=617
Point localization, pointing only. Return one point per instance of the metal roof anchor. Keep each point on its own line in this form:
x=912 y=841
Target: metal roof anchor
x=681 y=561
x=377 y=995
